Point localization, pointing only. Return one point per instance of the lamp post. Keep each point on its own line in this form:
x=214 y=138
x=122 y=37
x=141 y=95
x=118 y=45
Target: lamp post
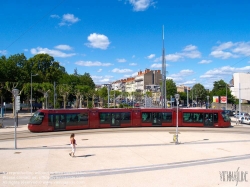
x=31 y=75
x=207 y=101
x=108 y=87
x=46 y=97
x=196 y=101
x=15 y=93
x=226 y=96
x=177 y=96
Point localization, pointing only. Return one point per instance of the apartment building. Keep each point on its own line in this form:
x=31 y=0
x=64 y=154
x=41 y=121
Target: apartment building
x=146 y=78
x=240 y=86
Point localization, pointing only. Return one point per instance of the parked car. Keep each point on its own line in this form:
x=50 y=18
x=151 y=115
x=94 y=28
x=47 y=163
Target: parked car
x=245 y=120
x=242 y=114
x=137 y=104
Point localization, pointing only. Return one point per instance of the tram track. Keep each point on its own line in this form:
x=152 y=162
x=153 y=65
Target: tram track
x=27 y=134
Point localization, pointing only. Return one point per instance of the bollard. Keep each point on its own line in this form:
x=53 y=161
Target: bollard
x=174 y=138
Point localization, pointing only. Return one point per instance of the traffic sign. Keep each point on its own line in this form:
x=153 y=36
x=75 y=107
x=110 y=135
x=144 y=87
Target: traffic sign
x=17 y=103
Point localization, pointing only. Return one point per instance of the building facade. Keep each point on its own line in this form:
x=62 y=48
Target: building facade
x=240 y=86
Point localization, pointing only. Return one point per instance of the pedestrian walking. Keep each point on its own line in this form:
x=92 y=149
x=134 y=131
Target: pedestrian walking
x=73 y=145
x=237 y=121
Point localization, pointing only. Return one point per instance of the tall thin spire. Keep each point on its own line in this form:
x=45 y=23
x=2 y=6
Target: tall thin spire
x=163 y=91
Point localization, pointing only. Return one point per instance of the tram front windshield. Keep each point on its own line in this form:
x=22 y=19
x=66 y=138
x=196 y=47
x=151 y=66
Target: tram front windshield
x=225 y=116
x=37 y=118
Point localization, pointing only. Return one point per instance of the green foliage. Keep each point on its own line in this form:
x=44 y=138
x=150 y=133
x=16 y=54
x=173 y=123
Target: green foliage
x=90 y=104
x=171 y=88
x=199 y=92
x=222 y=89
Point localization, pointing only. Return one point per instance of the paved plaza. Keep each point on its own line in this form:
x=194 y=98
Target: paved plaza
x=127 y=157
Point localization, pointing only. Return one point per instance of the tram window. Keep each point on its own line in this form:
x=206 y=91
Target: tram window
x=125 y=117
x=209 y=117
x=37 y=118
x=83 y=118
x=51 y=122
x=215 y=117
x=156 y=117
x=166 y=117
x=146 y=116
x=71 y=119
x=225 y=116
x=193 y=117
x=105 y=117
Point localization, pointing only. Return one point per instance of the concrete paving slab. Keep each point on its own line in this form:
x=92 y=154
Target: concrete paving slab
x=136 y=158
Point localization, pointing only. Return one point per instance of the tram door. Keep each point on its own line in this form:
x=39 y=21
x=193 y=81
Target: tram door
x=208 y=120
x=156 y=119
x=59 y=121
x=115 y=119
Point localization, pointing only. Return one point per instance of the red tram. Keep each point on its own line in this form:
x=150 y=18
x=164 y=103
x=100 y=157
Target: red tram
x=74 y=119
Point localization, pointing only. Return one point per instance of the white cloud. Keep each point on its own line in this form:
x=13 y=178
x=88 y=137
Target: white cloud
x=222 y=54
x=190 y=51
x=116 y=70
x=133 y=64
x=141 y=5
x=151 y=56
x=190 y=48
x=26 y=50
x=192 y=54
x=205 y=62
x=90 y=63
x=180 y=77
x=68 y=19
x=224 y=46
x=133 y=56
x=183 y=73
x=242 y=48
x=63 y=47
x=99 y=70
x=102 y=79
x=173 y=57
x=231 y=50
x=52 y=52
x=98 y=41
x=121 y=60
x=3 y=52
x=225 y=70
x=54 y=16
x=156 y=65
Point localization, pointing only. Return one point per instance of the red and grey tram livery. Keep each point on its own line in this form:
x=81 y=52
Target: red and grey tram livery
x=72 y=119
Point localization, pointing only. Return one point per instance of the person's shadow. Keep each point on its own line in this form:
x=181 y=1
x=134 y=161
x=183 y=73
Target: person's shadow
x=85 y=155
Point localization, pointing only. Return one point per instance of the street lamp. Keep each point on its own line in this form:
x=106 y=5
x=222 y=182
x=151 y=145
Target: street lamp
x=177 y=96
x=226 y=96
x=46 y=97
x=207 y=101
x=15 y=93
x=31 y=75
x=108 y=87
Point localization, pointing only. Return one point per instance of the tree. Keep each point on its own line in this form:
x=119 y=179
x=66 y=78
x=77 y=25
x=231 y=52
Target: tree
x=44 y=65
x=79 y=91
x=171 y=88
x=199 y=92
x=220 y=88
x=43 y=88
x=64 y=90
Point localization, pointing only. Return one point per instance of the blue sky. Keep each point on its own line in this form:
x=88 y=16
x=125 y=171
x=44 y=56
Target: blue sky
x=205 y=41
